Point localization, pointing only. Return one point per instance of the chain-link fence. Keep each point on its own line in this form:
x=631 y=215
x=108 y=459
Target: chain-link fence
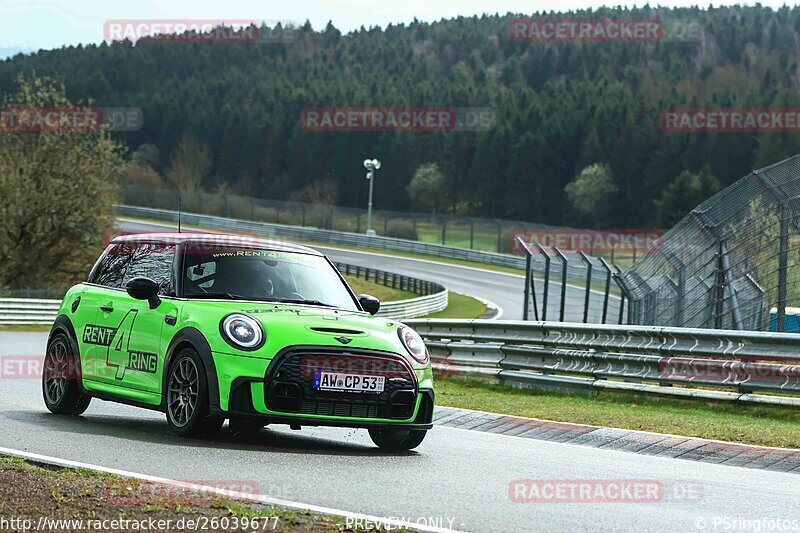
x=570 y=286
x=493 y=235
x=732 y=263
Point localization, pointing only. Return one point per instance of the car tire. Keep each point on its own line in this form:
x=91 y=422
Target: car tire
x=187 y=398
x=392 y=439
x=244 y=428
x=61 y=386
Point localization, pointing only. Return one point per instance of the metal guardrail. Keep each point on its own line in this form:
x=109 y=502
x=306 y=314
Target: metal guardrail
x=434 y=298
x=740 y=366
x=17 y=311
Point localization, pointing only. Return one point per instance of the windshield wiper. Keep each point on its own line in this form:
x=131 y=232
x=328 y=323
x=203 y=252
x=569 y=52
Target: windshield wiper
x=304 y=302
x=225 y=295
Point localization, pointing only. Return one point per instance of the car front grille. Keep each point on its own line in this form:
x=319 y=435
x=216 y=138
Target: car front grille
x=290 y=385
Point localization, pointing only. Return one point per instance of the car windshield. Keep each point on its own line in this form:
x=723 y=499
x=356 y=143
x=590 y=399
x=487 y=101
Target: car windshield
x=268 y=275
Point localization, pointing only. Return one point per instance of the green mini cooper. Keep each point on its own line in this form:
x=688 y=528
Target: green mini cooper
x=208 y=327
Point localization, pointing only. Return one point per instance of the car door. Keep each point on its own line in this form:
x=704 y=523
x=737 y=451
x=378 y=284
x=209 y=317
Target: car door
x=102 y=287
x=134 y=357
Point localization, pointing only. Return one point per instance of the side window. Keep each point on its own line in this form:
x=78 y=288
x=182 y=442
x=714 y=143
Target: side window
x=203 y=274
x=152 y=261
x=110 y=271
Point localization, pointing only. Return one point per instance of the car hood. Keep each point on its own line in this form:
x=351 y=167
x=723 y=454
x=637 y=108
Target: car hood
x=292 y=325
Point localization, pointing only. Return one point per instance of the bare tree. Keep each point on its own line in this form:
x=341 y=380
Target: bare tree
x=190 y=165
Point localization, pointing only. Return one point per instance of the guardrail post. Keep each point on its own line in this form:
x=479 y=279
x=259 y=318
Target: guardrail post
x=444 y=232
x=546 y=279
x=563 y=282
x=588 y=286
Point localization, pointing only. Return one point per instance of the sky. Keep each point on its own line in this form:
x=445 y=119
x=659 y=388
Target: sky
x=46 y=24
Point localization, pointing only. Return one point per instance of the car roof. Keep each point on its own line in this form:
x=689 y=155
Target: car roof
x=227 y=240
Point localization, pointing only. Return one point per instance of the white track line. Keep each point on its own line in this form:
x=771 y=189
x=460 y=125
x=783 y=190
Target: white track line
x=267 y=500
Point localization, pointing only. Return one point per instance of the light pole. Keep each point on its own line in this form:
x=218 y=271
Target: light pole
x=371 y=165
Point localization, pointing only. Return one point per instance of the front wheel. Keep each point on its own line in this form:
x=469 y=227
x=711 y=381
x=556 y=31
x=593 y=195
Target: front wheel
x=60 y=387
x=188 y=407
x=395 y=440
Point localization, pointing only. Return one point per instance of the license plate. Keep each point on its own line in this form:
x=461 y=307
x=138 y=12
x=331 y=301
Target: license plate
x=348 y=382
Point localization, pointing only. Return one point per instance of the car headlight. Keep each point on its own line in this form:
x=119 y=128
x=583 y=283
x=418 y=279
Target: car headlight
x=413 y=343
x=242 y=332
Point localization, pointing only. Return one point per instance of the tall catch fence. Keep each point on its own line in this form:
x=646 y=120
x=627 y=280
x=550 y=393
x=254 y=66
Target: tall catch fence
x=732 y=263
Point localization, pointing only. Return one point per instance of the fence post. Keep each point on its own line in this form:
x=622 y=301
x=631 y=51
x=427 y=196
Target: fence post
x=528 y=261
x=471 y=235
x=624 y=291
x=719 y=289
x=783 y=261
x=608 y=287
x=546 y=279
x=588 y=286
x=444 y=232
x=563 y=283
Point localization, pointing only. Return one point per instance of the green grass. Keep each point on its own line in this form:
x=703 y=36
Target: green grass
x=460 y=306
x=382 y=293
x=25 y=327
x=765 y=426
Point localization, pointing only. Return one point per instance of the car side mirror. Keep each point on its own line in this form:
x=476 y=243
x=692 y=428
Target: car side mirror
x=144 y=289
x=370 y=304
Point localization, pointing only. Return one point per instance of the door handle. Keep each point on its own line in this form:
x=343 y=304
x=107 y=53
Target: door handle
x=107 y=308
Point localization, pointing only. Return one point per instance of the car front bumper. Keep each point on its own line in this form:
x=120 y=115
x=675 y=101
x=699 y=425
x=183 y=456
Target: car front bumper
x=279 y=391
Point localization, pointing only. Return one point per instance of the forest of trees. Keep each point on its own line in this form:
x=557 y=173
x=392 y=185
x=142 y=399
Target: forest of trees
x=226 y=116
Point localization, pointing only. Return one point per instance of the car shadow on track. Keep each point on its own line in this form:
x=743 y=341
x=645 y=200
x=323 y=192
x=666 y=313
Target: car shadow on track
x=154 y=430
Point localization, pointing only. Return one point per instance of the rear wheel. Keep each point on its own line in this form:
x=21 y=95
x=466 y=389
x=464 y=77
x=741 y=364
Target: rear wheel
x=188 y=406
x=392 y=439
x=60 y=386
